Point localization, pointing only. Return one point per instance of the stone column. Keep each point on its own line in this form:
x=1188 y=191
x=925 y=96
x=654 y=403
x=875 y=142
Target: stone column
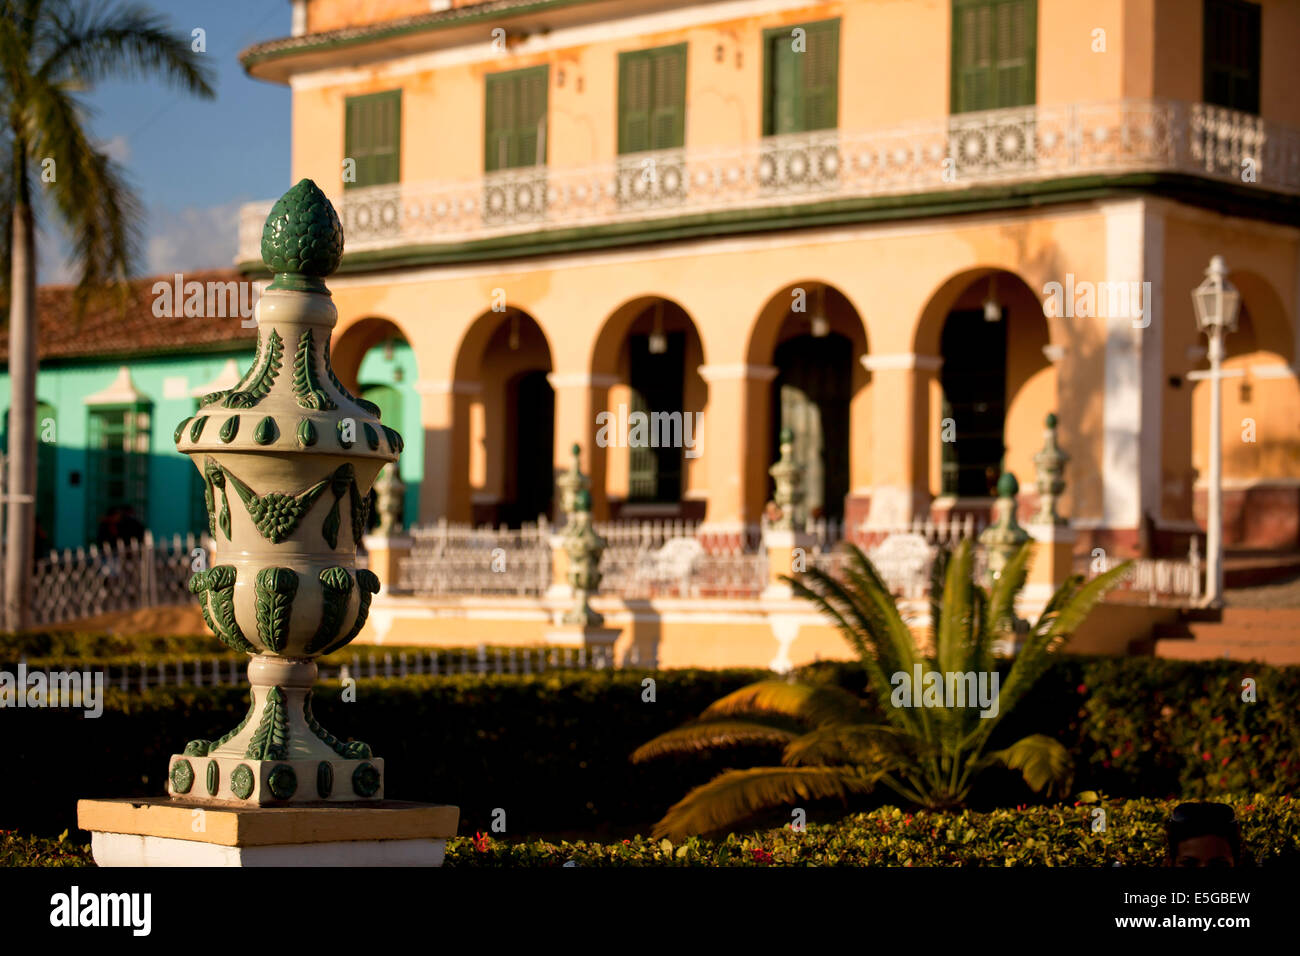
x=288 y=456
x=735 y=445
x=901 y=436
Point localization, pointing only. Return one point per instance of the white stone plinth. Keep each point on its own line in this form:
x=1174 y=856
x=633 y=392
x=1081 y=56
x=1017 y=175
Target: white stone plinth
x=134 y=849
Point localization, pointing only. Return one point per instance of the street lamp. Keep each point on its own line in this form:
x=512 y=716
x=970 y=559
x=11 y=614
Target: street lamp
x=1217 y=303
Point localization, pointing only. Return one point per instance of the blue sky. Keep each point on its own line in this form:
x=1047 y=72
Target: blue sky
x=192 y=162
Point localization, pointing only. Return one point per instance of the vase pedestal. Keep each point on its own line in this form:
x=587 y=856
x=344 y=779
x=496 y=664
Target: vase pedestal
x=172 y=832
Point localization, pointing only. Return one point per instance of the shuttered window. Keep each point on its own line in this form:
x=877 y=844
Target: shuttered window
x=994 y=54
x=801 y=78
x=1231 y=54
x=652 y=99
x=373 y=138
x=515 y=119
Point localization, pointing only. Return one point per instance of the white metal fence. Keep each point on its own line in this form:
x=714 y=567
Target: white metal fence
x=451 y=558
x=124 y=576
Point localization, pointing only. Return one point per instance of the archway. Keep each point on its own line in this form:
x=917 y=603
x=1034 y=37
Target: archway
x=504 y=420
x=647 y=454
x=994 y=386
x=813 y=338
x=374 y=360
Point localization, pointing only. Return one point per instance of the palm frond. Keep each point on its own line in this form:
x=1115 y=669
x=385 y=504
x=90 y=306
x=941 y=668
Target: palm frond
x=814 y=704
x=93 y=43
x=1043 y=762
x=731 y=797
x=860 y=744
x=717 y=734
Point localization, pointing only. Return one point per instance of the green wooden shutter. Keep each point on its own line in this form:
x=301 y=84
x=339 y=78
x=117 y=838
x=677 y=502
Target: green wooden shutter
x=1230 y=54
x=820 y=80
x=373 y=137
x=652 y=99
x=802 y=87
x=994 y=54
x=515 y=118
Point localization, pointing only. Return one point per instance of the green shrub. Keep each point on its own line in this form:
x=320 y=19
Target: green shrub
x=1033 y=836
x=24 y=850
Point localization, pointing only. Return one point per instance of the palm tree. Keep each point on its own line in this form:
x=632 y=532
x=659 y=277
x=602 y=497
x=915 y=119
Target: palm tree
x=50 y=50
x=834 y=744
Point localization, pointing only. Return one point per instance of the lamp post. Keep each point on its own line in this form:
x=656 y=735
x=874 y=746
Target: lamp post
x=1217 y=303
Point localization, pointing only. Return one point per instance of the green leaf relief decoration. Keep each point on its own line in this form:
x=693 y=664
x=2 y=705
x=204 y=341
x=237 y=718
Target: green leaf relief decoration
x=257 y=383
x=275 y=589
x=221 y=596
x=239 y=728
x=360 y=512
x=241 y=781
x=324 y=779
x=367 y=587
x=306 y=433
x=201 y=748
x=394 y=439
x=346 y=427
x=334 y=379
x=214 y=778
x=339 y=483
x=276 y=515
x=266 y=431
x=180 y=430
x=369 y=406
x=336 y=588
x=213 y=397
x=229 y=429
x=196 y=429
x=327 y=738
x=306 y=381
x=372 y=436
x=215 y=481
x=271 y=739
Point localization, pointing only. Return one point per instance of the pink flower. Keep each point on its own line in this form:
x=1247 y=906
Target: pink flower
x=1206 y=755
x=481 y=841
x=760 y=855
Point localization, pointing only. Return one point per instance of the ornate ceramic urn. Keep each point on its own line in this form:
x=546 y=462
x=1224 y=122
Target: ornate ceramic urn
x=288 y=456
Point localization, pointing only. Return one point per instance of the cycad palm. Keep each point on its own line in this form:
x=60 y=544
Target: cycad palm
x=49 y=51
x=928 y=756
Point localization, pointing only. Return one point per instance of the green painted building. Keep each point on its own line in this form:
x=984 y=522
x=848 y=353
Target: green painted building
x=115 y=382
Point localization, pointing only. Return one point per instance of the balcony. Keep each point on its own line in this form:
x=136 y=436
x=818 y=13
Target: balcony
x=1024 y=144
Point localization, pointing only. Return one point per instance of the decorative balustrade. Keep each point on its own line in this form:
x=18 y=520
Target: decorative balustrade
x=451 y=558
x=1170 y=581
x=943 y=154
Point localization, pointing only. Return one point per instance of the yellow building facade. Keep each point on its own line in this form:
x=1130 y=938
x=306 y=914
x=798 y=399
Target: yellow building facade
x=905 y=229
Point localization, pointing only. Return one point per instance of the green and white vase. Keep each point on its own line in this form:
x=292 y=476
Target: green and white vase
x=288 y=456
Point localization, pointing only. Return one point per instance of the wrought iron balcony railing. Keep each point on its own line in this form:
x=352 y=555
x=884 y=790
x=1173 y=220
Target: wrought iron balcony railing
x=996 y=146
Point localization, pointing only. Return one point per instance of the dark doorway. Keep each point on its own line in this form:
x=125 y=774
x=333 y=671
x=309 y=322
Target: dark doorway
x=657 y=381
x=530 y=449
x=810 y=396
x=974 y=380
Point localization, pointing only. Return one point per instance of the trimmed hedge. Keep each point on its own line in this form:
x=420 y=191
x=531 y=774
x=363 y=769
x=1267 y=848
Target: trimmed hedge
x=1031 y=836
x=552 y=749
x=23 y=850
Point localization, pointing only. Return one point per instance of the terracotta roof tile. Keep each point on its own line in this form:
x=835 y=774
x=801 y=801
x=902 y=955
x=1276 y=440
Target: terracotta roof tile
x=106 y=329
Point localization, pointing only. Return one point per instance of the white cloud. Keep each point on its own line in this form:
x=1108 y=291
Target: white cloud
x=193 y=238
